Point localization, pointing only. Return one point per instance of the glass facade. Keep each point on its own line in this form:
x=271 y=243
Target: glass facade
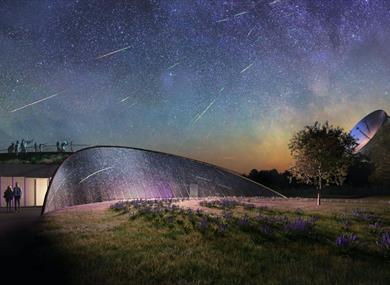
x=114 y=173
x=33 y=190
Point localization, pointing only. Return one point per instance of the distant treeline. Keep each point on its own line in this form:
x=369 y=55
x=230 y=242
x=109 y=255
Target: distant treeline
x=359 y=182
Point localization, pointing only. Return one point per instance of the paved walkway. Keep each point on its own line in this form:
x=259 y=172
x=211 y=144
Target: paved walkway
x=23 y=252
x=17 y=229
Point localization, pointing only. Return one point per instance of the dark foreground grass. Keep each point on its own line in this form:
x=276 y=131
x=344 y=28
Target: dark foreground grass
x=132 y=245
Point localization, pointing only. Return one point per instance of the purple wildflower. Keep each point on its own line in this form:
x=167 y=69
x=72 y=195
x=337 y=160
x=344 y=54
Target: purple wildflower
x=261 y=218
x=384 y=242
x=222 y=227
x=345 y=223
x=363 y=215
x=243 y=222
x=345 y=241
x=266 y=230
x=199 y=212
x=203 y=224
x=299 y=226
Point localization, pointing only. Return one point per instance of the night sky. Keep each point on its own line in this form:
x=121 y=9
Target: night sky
x=227 y=82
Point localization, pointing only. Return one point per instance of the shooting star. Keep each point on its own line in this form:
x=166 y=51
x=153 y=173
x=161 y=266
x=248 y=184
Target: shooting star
x=250 y=31
x=246 y=68
x=222 y=20
x=274 y=2
x=172 y=66
x=125 y=99
x=36 y=102
x=133 y=104
x=92 y=174
x=258 y=39
x=240 y=14
x=199 y=116
x=112 y=52
x=220 y=90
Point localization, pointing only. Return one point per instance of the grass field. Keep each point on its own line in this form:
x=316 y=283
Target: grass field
x=247 y=241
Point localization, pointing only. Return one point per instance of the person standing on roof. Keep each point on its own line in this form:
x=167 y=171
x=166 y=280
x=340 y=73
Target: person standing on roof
x=17 y=148
x=23 y=146
x=17 y=196
x=11 y=148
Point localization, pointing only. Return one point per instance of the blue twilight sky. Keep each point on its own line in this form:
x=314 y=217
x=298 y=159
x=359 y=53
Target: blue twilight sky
x=227 y=82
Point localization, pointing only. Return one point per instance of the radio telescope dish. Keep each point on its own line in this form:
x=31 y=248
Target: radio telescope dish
x=367 y=128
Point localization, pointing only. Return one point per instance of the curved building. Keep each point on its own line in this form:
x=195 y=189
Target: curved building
x=106 y=173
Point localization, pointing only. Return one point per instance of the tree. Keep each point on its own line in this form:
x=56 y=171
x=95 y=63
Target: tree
x=322 y=155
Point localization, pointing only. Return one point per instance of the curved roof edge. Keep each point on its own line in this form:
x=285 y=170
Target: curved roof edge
x=367 y=128
x=157 y=152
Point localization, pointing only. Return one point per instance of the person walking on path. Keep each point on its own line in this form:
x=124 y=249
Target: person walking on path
x=8 y=195
x=17 y=196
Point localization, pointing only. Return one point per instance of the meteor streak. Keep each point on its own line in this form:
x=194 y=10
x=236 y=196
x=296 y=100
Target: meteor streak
x=274 y=2
x=246 y=68
x=36 y=102
x=199 y=116
x=92 y=174
x=172 y=66
x=125 y=99
x=240 y=14
x=113 y=52
x=222 y=20
x=250 y=31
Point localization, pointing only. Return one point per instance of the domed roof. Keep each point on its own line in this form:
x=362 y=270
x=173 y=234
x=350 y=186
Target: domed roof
x=107 y=173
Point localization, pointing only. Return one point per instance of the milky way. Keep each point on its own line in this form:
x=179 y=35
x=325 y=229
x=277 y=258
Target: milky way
x=227 y=82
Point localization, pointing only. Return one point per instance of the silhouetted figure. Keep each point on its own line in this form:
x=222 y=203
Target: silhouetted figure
x=17 y=195
x=35 y=147
x=58 y=147
x=71 y=146
x=63 y=146
x=8 y=196
x=23 y=146
x=11 y=148
x=17 y=148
